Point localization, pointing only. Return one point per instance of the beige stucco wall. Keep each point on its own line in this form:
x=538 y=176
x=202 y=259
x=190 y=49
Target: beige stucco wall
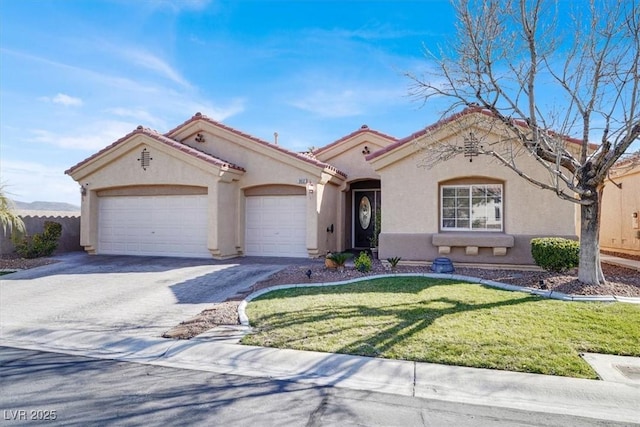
x=34 y=223
x=410 y=208
x=328 y=219
x=263 y=165
x=619 y=230
x=348 y=155
x=268 y=169
x=118 y=172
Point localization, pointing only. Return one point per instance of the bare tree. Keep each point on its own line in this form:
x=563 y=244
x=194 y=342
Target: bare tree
x=553 y=74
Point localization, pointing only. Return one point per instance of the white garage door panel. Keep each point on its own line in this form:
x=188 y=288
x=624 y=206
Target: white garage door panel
x=153 y=225
x=276 y=226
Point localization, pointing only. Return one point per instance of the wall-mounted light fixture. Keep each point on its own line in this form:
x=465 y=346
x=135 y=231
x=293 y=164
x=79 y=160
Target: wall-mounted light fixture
x=310 y=187
x=330 y=229
x=83 y=190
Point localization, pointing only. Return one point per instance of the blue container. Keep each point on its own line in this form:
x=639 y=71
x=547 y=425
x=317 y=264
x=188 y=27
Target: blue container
x=442 y=265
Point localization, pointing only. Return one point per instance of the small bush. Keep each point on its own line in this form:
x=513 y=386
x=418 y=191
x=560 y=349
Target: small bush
x=339 y=257
x=555 y=253
x=394 y=261
x=363 y=262
x=41 y=244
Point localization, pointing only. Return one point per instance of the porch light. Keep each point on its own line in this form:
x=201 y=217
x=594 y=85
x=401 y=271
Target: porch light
x=310 y=187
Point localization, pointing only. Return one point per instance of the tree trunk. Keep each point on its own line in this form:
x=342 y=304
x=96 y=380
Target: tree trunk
x=590 y=270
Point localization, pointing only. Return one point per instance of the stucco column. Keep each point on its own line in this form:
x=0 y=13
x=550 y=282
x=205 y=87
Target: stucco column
x=312 y=221
x=89 y=222
x=227 y=218
x=341 y=213
x=212 y=221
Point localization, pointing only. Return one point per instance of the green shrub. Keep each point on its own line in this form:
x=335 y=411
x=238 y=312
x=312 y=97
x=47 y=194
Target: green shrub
x=377 y=227
x=363 y=262
x=339 y=257
x=41 y=244
x=394 y=261
x=555 y=253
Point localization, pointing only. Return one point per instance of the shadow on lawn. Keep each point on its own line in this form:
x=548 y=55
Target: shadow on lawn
x=408 y=318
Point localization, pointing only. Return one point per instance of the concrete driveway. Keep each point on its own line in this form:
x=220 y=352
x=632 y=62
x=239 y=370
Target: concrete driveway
x=131 y=296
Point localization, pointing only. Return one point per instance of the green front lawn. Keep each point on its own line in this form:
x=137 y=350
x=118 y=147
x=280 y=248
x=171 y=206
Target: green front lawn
x=444 y=321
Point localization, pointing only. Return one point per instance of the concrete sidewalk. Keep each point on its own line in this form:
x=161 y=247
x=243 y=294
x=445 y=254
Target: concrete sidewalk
x=620 y=262
x=218 y=351
x=616 y=398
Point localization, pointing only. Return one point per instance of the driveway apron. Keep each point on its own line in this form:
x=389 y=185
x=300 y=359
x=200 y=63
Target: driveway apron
x=132 y=296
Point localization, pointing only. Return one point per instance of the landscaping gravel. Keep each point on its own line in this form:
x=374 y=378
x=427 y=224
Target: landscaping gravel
x=620 y=282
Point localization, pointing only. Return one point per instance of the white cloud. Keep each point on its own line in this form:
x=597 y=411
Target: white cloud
x=32 y=181
x=89 y=138
x=143 y=116
x=67 y=100
x=63 y=99
x=333 y=103
x=83 y=75
x=152 y=62
x=218 y=113
x=324 y=103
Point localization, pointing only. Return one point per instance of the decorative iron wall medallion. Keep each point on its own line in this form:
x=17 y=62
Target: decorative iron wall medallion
x=471 y=146
x=145 y=159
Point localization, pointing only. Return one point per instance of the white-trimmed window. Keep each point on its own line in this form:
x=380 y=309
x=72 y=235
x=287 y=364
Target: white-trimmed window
x=471 y=207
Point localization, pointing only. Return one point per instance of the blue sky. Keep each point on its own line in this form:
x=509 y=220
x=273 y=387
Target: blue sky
x=76 y=75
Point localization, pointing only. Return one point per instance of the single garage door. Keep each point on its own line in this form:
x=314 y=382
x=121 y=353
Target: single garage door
x=153 y=225
x=276 y=226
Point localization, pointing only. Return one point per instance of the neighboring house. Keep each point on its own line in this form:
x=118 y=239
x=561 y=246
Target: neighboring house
x=620 y=226
x=204 y=189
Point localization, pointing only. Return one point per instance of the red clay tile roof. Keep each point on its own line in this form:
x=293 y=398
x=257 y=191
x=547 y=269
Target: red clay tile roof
x=165 y=140
x=363 y=129
x=452 y=118
x=632 y=159
x=300 y=156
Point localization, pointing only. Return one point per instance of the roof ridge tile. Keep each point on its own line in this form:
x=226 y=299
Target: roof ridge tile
x=200 y=116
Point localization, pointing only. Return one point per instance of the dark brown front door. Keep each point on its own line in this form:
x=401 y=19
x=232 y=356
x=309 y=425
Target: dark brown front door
x=365 y=205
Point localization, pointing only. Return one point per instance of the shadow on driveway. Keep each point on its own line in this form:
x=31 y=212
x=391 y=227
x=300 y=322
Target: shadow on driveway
x=82 y=263
x=222 y=284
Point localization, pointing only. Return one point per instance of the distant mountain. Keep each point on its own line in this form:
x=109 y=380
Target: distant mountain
x=46 y=206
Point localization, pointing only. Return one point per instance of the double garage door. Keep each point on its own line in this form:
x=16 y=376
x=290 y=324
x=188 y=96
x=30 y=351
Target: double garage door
x=153 y=225
x=177 y=226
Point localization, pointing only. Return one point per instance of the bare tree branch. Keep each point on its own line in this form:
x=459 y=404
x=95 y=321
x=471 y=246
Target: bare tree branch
x=553 y=75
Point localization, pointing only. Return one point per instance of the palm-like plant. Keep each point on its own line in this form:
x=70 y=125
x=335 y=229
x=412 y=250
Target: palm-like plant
x=11 y=222
x=340 y=258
